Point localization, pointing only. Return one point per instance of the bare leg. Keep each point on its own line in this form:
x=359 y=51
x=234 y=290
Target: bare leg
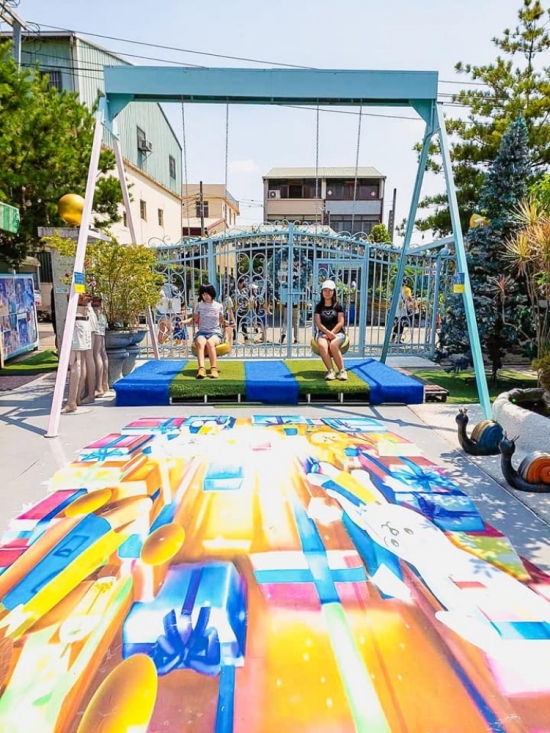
x=211 y=344
x=324 y=353
x=296 y=321
x=103 y=353
x=74 y=381
x=88 y=357
x=336 y=354
x=228 y=333
x=98 y=359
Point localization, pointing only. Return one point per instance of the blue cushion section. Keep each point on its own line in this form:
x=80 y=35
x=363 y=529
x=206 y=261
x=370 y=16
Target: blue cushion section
x=386 y=384
x=148 y=384
x=270 y=382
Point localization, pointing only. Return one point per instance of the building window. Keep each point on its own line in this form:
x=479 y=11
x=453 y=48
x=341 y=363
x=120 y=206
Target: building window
x=54 y=78
x=161 y=217
x=361 y=223
x=141 y=144
x=172 y=166
x=340 y=190
x=298 y=189
x=198 y=209
x=143 y=209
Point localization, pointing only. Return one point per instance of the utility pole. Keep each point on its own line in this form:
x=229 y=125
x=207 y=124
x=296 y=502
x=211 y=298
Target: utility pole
x=12 y=19
x=391 y=218
x=201 y=208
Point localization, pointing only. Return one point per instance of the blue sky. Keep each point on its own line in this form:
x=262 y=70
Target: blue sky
x=348 y=34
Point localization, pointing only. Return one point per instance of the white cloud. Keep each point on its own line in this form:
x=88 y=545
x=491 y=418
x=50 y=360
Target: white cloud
x=244 y=166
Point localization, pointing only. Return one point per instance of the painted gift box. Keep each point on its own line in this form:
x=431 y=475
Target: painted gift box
x=207 y=425
x=197 y=621
x=114 y=445
x=95 y=475
x=223 y=477
x=44 y=510
x=291 y=577
x=155 y=425
x=450 y=512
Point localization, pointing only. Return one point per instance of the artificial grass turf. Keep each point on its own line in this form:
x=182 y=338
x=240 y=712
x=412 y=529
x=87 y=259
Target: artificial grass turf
x=462 y=387
x=310 y=375
x=230 y=383
x=42 y=361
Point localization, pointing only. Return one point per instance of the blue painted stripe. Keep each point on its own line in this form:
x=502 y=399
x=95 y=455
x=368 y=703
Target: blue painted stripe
x=493 y=721
x=303 y=575
x=226 y=700
x=149 y=384
x=131 y=548
x=88 y=531
x=166 y=515
x=270 y=382
x=63 y=505
x=386 y=384
x=316 y=555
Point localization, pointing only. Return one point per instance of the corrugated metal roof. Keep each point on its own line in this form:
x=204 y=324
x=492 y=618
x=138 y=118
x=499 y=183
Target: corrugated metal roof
x=345 y=172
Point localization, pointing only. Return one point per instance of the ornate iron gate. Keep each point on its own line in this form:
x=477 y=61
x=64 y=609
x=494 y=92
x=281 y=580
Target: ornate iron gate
x=269 y=277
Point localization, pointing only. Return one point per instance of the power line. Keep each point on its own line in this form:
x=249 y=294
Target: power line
x=211 y=54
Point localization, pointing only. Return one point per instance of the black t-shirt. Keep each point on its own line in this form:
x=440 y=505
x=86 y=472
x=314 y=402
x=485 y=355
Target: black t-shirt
x=329 y=315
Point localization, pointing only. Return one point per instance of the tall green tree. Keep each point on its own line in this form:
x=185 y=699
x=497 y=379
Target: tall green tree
x=517 y=82
x=45 y=144
x=501 y=303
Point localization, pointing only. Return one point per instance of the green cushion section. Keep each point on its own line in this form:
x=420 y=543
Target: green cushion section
x=230 y=383
x=42 y=361
x=310 y=375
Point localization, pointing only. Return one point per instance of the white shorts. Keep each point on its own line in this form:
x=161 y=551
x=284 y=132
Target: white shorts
x=82 y=336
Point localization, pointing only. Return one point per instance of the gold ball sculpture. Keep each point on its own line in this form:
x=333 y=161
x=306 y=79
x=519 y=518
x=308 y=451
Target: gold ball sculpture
x=70 y=209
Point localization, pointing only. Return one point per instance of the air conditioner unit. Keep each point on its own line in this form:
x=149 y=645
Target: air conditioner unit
x=144 y=146
x=274 y=194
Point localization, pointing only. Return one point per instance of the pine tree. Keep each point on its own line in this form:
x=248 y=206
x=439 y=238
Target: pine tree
x=501 y=303
x=516 y=82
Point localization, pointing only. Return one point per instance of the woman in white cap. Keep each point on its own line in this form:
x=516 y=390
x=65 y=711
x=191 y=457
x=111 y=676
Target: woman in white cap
x=329 y=321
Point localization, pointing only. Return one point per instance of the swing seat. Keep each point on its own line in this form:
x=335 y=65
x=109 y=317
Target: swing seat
x=315 y=347
x=222 y=349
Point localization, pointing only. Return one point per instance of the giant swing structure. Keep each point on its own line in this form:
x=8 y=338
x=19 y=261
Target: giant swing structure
x=309 y=87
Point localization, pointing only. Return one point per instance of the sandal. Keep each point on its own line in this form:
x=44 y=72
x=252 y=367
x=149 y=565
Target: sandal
x=214 y=373
x=201 y=373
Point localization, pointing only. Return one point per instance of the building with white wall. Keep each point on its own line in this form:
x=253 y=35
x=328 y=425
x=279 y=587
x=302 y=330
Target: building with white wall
x=346 y=199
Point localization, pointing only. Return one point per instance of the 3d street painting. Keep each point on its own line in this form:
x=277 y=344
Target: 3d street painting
x=266 y=574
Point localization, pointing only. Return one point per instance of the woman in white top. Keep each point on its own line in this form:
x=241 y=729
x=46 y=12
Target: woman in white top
x=210 y=320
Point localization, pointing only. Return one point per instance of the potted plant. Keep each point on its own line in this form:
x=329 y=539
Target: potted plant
x=124 y=277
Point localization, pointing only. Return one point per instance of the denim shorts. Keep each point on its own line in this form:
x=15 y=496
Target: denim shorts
x=339 y=336
x=208 y=334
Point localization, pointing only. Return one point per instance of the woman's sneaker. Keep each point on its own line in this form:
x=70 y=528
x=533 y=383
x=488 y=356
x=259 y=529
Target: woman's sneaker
x=343 y=375
x=330 y=376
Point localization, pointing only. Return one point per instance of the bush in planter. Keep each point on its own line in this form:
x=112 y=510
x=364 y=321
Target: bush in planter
x=123 y=275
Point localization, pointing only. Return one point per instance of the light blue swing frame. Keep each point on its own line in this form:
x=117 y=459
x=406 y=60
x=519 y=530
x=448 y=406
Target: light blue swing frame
x=312 y=87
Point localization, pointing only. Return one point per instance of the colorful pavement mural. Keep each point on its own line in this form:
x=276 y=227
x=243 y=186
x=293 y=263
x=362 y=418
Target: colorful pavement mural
x=266 y=574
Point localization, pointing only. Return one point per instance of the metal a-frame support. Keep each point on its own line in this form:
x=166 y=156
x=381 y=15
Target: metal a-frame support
x=101 y=120
x=437 y=126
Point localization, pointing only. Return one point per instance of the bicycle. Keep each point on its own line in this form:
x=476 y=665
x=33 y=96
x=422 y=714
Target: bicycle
x=401 y=332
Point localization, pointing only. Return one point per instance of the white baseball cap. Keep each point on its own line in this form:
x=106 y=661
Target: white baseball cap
x=329 y=285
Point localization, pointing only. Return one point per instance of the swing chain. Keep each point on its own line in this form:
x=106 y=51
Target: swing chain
x=226 y=155
x=356 y=168
x=317 y=161
x=184 y=151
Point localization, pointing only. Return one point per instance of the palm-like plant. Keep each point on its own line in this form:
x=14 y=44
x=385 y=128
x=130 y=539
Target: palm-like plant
x=528 y=255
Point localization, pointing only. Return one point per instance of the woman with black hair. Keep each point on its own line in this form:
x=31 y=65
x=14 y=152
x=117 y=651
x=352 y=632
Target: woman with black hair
x=329 y=321
x=209 y=317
